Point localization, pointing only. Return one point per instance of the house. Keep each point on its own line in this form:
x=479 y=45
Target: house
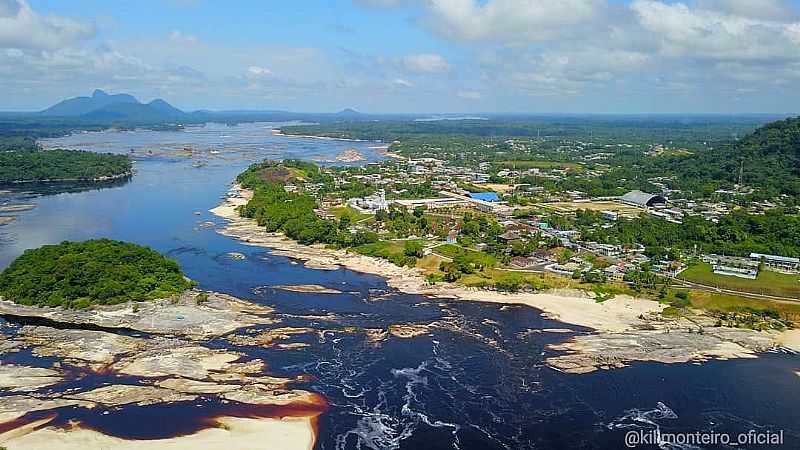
x=523 y=262
x=509 y=236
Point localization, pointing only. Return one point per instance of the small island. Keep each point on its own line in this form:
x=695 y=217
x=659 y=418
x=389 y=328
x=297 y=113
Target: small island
x=125 y=313
x=96 y=272
x=43 y=166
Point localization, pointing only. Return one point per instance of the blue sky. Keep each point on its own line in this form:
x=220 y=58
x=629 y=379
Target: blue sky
x=540 y=56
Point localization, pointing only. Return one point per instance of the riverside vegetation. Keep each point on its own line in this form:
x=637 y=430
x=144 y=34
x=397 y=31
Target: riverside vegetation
x=33 y=165
x=95 y=272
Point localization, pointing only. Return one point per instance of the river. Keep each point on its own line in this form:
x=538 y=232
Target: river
x=479 y=383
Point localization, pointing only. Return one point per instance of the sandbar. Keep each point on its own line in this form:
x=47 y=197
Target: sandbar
x=232 y=433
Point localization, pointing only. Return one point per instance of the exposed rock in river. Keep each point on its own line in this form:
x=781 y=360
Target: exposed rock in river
x=22 y=378
x=308 y=288
x=676 y=345
x=116 y=395
x=185 y=316
x=153 y=368
x=94 y=347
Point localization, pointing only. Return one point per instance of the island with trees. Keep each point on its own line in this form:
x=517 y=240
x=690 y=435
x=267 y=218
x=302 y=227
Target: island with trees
x=42 y=166
x=95 y=272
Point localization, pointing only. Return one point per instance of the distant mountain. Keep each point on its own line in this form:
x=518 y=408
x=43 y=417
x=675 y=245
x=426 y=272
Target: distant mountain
x=348 y=112
x=102 y=106
x=164 y=107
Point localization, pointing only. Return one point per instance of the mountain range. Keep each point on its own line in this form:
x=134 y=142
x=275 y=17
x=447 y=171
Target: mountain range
x=103 y=106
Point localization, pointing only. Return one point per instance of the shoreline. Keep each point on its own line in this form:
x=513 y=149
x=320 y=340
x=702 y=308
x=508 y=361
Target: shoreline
x=570 y=306
x=162 y=345
x=72 y=180
x=229 y=433
x=619 y=325
x=380 y=148
x=278 y=132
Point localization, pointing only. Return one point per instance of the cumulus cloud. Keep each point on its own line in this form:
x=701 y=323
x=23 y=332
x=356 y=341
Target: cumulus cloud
x=514 y=21
x=22 y=27
x=779 y=10
x=426 y=63
x=715 y=34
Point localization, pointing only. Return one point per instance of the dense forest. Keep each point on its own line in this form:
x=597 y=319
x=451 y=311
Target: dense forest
x=60 y=165
x=736 y=234
x=768 y=159
x=692 y=131
x=290 y=212
x=82 y=274
x=708 y=152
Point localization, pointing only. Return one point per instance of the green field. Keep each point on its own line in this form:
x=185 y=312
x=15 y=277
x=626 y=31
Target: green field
x=393 y=251
x=354 y=215
x=769 y=283
x=451 y=251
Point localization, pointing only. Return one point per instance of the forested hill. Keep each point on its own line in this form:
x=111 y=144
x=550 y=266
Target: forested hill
x=768 y=159
x=771 y=156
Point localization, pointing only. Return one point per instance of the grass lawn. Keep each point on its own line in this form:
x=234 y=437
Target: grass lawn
x=732 y=303
x=770 y=283
x=451 y=251
x=354 y=215
x=430 y=263
x=394 y=251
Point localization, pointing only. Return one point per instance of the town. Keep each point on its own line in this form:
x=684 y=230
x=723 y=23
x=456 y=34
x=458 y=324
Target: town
x=507 y=226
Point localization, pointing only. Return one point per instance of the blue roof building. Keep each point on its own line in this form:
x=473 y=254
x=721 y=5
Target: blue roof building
x=485 y=196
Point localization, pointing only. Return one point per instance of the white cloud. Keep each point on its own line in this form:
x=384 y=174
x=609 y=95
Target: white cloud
x=258 y=72
x=779 y=10
x=426 y=63
x=714 y=34
x=21 y=27
x=513 y=21
x=402 y=83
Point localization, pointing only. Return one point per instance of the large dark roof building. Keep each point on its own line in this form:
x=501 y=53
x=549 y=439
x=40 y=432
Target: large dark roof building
x=643 y=199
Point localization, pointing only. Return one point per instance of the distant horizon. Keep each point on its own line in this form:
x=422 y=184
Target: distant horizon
x=473 y=115
x=407 y=56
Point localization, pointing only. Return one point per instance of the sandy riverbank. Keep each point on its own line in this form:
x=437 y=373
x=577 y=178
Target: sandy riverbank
x=790 y=339
x=620 y=324
x=232 y=433
x=575 y=307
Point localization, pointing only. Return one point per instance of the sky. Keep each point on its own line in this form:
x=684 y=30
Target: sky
x=406 y=56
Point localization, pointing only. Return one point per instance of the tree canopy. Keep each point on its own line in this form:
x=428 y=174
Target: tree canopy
x=82 y=274
x=60 y=165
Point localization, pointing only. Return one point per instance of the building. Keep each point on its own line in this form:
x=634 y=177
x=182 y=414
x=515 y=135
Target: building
x=783 y=264
x=370 y=204
x=740 y=272
x=485 y=196
x=523 y=262
x=609 y=215
x=509 y=236
x=452 y=237
x=643 y=199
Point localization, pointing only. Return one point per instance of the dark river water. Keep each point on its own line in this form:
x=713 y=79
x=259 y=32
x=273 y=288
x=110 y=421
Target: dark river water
x=479 y=383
